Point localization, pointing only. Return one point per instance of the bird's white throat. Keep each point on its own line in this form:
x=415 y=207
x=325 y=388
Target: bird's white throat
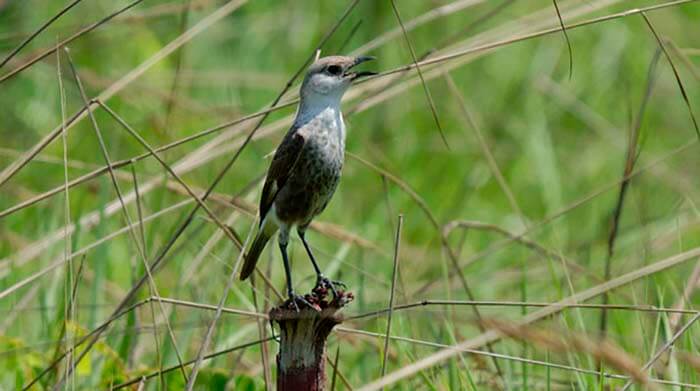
x=325 y=106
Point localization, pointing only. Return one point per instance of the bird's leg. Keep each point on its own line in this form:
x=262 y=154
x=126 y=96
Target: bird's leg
x=321 y=280
x=293 y=298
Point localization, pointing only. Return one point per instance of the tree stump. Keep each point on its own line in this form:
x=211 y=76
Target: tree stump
x=303 y=334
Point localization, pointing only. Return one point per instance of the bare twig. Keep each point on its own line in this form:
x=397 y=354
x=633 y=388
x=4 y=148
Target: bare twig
x=546 y=312
x=65 y=42
x=491 y=303
x=28 y=280
x=142 y=231
x=210 y=307
x=125 y=80
x=210 y=330
x=684 y=56
x=70 y=315
x=584 y=200
x=632 y=154
x=351 y=35
x=665 y=347
x=335 y=367
x=522 y=240
x=190 y=362
x=120 y=163
x=115 y=183
x=394 y=275
x=524 y=37
x=228 y=231
x=38 y=31
x=18 y=307
x=67 y=245
x=429 y=97
x=262 y=333
x=433 y=220
x=566 y=37
x=433 y=14
x=470 y=27
x=560 y=341
x=488 y=155
x=504 y=357
x=675 y=73
x=179 y=59
x=691 y=285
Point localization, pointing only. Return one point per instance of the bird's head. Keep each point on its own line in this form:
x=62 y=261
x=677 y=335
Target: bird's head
x=329 y=77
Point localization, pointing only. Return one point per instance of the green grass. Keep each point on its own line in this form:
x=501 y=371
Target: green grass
x=559 y=142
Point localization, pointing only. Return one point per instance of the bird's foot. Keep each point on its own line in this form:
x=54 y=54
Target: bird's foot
x=294 y=300
x=323 y=284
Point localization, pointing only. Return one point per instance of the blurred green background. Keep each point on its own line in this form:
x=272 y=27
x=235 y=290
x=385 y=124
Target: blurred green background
x=558 y=140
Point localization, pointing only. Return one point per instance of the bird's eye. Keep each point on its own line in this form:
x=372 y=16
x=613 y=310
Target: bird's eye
x=334 y=70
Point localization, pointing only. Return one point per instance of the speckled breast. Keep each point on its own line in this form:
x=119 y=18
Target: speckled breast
x=322 y=164
x=316 y=175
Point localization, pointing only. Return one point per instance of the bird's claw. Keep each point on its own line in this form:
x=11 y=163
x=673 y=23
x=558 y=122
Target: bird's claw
x=294 y=299
x=340 y=284
x=323 y=283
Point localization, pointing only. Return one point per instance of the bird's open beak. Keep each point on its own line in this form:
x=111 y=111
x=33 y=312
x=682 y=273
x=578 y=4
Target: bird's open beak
x=359 y=60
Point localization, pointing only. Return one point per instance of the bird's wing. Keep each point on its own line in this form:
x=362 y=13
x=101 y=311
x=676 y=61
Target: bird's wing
x=281 y=168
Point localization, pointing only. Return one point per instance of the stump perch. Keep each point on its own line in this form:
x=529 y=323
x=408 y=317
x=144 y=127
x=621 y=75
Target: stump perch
x=303 y=334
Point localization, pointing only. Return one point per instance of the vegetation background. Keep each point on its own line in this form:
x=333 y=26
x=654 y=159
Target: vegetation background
x=563 y=176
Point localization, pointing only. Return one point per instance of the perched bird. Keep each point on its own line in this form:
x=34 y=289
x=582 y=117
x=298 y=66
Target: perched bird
x=306 y=168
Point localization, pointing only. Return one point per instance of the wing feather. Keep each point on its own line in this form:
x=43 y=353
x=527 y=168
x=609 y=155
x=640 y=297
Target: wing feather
x=281 y=168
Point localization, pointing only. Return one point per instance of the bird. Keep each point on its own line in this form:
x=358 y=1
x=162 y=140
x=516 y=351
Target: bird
x=306 y=167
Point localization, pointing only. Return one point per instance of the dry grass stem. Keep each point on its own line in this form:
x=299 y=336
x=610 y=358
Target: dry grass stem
x=394 y=276
x=429 y=97
x=61 y=44
x=559 y=341
x=528 y=361
x=140 y=249
x=533 y=181
x=491 y=336
x=684 y=94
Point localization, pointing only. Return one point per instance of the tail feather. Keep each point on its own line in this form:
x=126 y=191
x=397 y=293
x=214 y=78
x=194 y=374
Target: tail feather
x=251 y=259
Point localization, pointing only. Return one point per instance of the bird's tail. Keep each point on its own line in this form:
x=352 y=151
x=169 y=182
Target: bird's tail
x=251 y=258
